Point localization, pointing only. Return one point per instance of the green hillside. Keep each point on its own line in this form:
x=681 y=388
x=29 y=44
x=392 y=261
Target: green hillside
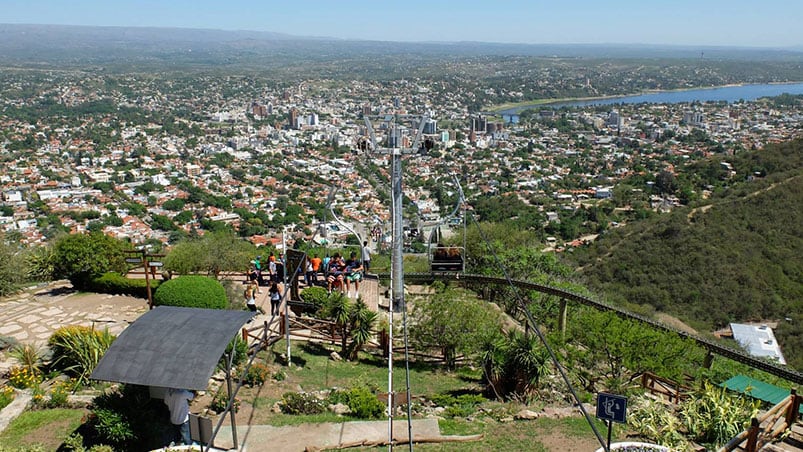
x=736 y=257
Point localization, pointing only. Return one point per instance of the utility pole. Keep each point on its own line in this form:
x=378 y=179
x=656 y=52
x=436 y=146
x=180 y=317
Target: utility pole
x=397 y=135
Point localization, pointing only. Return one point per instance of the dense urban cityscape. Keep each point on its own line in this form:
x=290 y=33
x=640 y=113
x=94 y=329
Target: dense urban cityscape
x=142 y=160
x=346 y=241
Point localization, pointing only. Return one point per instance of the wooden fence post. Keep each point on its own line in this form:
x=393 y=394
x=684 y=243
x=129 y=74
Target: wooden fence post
x=752 y=436
x=794 y=409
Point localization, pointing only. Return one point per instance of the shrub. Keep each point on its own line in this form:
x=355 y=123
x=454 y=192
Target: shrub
x=101 y=448
x=714 y=416
x=317 y=296
x=74 y=442
x=219 y=402
x=463 y=405
x=257 y=374
x=21 y=377
x=83 y=257
x=338 y=396
x=78 y=349
x=117 y=284
x=6 y=396
x=302 y=403
x=112 y=426
x=280 y=375
x=192 y=292
x=57 y=396
x=129 y=419
x=240 y=348
x=364 y=404
x=657 y=422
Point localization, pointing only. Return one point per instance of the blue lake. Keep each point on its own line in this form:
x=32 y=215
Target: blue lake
x=726 y=93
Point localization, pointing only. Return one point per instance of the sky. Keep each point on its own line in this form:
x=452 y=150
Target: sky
x=765 y=23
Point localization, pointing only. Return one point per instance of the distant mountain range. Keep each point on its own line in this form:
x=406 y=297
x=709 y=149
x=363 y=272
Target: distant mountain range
x=49 y=44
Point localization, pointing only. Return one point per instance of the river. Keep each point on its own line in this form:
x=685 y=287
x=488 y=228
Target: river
x=724 y=93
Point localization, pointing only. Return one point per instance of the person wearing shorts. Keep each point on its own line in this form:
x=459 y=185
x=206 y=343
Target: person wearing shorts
x=353 y=274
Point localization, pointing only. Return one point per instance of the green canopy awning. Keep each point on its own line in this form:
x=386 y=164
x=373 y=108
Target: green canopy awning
x=757 y=389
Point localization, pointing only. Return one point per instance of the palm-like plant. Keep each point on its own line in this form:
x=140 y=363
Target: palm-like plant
x=354 y=321
x=77 y=350
x=529 y=362
x=28 y=356
x=514 y=364
x=362 y=324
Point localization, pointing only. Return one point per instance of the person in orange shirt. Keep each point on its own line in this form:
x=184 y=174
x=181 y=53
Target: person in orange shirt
x=315 y=264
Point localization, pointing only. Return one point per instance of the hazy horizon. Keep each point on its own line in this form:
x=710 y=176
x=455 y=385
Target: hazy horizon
x=714 y=23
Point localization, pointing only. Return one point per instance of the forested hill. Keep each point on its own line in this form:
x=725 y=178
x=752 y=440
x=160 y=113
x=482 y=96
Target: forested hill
x=735 y=257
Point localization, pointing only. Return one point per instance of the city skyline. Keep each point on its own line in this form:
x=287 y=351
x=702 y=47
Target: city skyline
x=735 y=23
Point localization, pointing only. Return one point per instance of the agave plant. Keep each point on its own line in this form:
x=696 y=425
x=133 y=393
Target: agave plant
x=657 y=422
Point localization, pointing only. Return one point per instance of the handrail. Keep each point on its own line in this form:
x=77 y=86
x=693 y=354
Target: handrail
x=713 y=347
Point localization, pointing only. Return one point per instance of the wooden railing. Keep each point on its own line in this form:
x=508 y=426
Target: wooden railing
x=768 y=426
x=273 y=331
x=673 y=391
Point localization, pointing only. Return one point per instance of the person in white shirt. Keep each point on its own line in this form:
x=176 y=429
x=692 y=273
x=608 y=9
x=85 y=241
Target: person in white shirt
x=178 y=402
x=366 y=257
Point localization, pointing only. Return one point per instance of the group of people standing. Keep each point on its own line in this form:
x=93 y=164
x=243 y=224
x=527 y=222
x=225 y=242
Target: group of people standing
x=256 y=279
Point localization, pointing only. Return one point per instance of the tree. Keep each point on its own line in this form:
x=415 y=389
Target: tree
x=211 y=254
x=83 y=257
x=11 y=264
x=614 y=350
x=453 y=322
x=162 y=222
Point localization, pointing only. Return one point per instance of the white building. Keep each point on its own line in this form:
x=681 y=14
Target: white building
x=758 y=340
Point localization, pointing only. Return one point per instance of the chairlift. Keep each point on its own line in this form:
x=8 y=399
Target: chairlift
x=447 y=259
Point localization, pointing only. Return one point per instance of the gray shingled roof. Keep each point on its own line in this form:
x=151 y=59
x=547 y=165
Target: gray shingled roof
x=171 y=347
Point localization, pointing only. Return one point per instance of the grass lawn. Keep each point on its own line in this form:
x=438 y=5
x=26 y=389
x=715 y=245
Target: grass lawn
x=46 y=428
x=313 y=371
